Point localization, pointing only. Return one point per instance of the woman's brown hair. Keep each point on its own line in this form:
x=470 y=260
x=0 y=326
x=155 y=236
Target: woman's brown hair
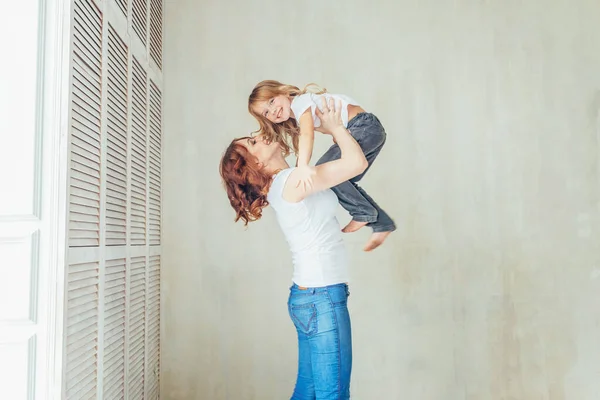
x=246 y=183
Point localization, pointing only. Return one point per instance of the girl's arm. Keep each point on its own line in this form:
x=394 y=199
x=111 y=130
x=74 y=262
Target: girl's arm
x=351 y=163
x=307 y=138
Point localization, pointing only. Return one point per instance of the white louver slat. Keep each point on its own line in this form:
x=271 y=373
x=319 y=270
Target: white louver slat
x=156 y=32
x=113 y=316
x=82 y=331
x=84 y=215
x=116 y=179
x=122 y=6
x=153 y=335
x=138 y=155
x=114 y=329
x=140 y=19
x=137 y=327
x=154 y=164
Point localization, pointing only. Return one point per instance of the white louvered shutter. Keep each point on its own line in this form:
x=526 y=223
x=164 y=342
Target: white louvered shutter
x=138 y=156
x=86 y=99
x=156 y=19
x=154 y=163
x=82 y=331
x=153 y=327
x=112 y=343
x=140 y=19
x=114 y=327
x=137 y=326
x=116 y=160
x=122 y=6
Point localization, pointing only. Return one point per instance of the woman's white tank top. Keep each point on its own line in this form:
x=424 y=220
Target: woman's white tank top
x=313 y=233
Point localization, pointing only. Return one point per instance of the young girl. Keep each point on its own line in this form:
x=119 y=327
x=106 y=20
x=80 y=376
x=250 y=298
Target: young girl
x=284 y=113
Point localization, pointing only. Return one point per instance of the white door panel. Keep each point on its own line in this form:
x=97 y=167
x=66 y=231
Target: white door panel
x=15 y=369
x=16 y=277
x=18 y=106
x=33 y=111
x=20 y=201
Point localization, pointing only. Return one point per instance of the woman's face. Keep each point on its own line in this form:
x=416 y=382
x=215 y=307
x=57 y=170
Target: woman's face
x=260 y=149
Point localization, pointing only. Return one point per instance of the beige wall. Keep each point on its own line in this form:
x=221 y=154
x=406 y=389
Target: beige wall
x=490 y=289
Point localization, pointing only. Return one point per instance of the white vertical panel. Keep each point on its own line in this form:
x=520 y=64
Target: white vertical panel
x=138 y=155
x=137 y=326
x=114 y=326
x=18 y=106
x=28 y=36
x=15 y=365
x=82 y=331
x=117 y=106
x=139 y=19
x=153 y=334
x=156 y=18
x=84 y=216
x=154 y=164
x=15 y=279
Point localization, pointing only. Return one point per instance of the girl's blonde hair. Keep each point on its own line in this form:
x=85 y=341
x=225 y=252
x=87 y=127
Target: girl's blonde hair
x=286 y=131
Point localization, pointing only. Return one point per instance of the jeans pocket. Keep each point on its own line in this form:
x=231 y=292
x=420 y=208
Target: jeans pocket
x=304 y=317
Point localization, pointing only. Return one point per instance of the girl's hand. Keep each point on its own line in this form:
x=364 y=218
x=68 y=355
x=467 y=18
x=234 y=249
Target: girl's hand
x=331 y=116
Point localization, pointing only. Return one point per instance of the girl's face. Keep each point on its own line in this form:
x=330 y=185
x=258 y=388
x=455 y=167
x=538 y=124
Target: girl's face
x=276 y=109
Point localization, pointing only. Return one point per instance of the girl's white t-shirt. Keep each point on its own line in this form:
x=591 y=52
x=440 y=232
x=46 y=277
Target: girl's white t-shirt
x=302 y=102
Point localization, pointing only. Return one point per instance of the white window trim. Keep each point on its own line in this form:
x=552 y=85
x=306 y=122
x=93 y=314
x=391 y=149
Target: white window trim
x=55 y=22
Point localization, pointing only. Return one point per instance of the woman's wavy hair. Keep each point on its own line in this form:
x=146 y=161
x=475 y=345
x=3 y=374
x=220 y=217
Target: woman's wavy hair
x=245 y=182
x=284 y=132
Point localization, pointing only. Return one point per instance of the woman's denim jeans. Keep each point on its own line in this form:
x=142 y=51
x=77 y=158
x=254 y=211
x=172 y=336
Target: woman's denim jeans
x=324 y=342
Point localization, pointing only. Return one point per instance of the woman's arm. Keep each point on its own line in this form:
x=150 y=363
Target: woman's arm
x=351 y=163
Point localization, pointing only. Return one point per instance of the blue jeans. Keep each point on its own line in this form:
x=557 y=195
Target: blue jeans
x=367 y=130
x=321 y=318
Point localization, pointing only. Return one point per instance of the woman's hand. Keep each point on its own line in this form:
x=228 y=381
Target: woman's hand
x=351 y=163
x=331 y=116
x=305 y=174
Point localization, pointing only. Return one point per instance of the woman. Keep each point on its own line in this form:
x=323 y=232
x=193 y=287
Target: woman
x=256 y=174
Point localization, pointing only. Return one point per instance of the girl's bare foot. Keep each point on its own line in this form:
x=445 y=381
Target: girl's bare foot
x=376 y=239
x=353 y=226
